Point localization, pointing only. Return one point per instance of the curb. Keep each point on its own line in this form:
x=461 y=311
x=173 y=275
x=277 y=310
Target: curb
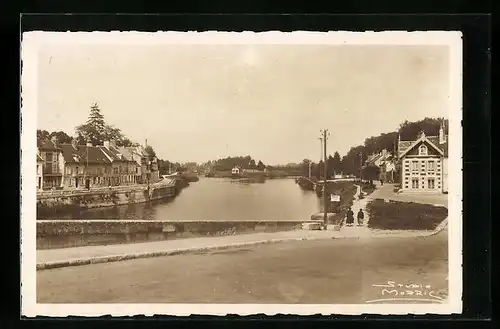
x=440 y=227
x=117 y=258
x=123 y=257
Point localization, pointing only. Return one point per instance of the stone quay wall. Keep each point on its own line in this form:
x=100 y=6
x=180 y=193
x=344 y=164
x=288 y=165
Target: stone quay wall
x=53 y=234
x=57 y=202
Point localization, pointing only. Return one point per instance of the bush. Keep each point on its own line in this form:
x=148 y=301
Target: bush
x=395 y=215
x=367 y=187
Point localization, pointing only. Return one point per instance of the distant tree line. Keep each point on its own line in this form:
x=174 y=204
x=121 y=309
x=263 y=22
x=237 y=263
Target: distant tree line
x=352 y=162
x=228 y=163
x=357 y=155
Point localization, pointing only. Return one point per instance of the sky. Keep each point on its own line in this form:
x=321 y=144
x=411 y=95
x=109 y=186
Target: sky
x=200 y=102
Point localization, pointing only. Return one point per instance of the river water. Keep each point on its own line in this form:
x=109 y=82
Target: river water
x=217 y=199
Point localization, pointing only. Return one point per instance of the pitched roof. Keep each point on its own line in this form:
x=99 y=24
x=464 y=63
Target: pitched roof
x=130 y=151
x=46 y=145
x=79 y=155
x=405 y=146
x=372 y=158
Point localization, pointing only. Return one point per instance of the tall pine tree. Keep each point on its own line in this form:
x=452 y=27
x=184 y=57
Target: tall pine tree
x=96 y=131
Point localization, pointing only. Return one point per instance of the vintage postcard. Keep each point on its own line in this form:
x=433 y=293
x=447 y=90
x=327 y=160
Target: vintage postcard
x=218 y=173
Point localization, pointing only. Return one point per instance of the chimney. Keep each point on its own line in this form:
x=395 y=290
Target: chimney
x=74 y=143
x=106 y=144
x=442 y=138
x=54 y=141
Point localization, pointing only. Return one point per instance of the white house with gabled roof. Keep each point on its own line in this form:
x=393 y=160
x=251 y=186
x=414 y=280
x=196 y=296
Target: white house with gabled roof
x=424 y=163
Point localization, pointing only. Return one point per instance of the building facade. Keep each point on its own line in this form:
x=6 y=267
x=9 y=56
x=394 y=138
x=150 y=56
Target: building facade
x=386 y=163
x=87 y=166
x=39 y=172
x=147 y=169
x=52 y=163
x=424 y=163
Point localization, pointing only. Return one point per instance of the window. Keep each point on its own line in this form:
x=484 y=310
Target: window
x=414 y=183
x=422 y=150
x=76 y=171
x=414 y=165
x=48 y=157
x=115 y=170
x=431 y=166
x=430 y=183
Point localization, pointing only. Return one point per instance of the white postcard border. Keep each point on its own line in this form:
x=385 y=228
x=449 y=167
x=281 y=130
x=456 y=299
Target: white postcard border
x=31 y=41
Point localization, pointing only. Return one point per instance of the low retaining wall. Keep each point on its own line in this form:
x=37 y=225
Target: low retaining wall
x=53 y=234
x=51 y=205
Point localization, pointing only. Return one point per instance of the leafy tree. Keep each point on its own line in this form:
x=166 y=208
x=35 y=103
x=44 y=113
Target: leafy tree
x=42 y=134
x=62 y=137
x=353 y=160
x=96 y=131
x=411 y=130
x=329 y=168
x=304 y=168
x=261 y=165
x=150 y=151
x=336 y=163
x=320 y=170
x=251 y=164
x=125 y=142
x=371 y=173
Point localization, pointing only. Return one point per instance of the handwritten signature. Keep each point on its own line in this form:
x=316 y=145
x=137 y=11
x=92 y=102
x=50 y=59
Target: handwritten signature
x=393 y=291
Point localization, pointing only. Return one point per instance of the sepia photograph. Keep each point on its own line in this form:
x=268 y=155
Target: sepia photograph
x=212 y=173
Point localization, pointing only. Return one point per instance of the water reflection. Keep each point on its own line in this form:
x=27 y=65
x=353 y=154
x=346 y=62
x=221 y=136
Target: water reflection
x=212 y=199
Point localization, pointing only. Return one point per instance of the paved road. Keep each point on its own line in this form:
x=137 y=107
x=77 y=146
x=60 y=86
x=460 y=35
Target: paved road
x=386 y=191
x=324 y=271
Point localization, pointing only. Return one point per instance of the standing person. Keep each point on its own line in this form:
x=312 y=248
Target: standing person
x=349 y=217
x=381 y=181
x=361 y=216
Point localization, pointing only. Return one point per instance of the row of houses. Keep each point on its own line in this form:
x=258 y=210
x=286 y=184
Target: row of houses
x=420 y=165
x=76 y=166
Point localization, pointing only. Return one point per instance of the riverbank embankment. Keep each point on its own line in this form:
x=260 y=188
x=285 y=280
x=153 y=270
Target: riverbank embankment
x=53 y=234
x=51 y=203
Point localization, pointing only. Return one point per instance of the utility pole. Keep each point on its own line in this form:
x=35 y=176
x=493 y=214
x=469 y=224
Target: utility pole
x=320 y=155
x=360 y=166
x=325 y=194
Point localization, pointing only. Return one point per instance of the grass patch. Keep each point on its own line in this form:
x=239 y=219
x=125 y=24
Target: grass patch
x=396 y=215
x=346 y=190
